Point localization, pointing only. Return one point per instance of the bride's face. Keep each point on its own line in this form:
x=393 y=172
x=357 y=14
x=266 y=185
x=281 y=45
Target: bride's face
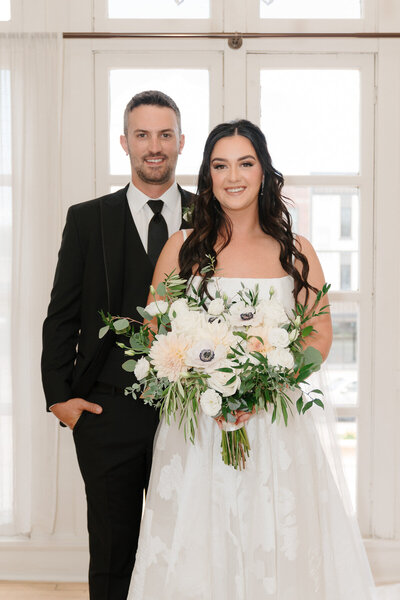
x=236 y=173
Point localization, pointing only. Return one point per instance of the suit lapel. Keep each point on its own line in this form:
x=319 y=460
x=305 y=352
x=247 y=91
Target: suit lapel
x=113 y=213
x=187 y=199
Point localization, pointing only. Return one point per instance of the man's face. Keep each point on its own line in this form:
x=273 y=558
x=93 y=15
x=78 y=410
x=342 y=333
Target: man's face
x=153 y=143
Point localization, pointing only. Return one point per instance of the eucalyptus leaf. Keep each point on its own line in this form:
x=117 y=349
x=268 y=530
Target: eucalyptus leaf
x=312 y=356
x=103 y=331
x=145 y=315
x=121 y=324
x=161 y=290
x=129 y=365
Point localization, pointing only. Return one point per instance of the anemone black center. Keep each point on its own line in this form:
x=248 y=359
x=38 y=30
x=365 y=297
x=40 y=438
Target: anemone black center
x=246 y=316
x=207 y=355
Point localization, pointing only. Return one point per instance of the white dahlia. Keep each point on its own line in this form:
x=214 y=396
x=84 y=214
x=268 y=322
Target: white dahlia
x=168 y=355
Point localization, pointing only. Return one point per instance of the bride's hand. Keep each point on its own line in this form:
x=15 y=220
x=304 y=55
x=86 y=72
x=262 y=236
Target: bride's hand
x=244 y=416
x=241 y=417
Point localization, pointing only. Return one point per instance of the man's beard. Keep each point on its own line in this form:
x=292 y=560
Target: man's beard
x=158 y=176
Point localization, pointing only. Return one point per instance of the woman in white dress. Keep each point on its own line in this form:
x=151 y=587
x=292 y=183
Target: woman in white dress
x=279 y=529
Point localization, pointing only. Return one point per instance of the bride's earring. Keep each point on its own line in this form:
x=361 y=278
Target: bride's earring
x=262 y=186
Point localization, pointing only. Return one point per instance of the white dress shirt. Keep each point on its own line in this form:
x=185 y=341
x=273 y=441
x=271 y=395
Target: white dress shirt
x=142 y=213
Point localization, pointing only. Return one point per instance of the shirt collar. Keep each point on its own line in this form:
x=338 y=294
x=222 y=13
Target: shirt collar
x=137 y=199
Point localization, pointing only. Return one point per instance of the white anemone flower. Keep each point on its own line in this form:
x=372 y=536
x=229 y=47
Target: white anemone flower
x=242 y=315
x=205 y=354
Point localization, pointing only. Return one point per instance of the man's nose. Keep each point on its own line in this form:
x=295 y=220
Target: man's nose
x=154 y=144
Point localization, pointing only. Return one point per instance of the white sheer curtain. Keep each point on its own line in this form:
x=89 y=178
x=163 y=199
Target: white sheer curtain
x=30 y=211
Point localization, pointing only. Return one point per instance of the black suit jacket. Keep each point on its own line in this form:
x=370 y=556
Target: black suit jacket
x=89 y=277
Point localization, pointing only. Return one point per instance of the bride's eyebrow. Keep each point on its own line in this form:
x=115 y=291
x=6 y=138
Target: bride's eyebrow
x=241 y=158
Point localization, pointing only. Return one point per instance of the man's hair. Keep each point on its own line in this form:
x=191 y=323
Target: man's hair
x=151 y=98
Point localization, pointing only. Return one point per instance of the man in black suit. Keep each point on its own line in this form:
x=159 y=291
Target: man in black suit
x=106 y=261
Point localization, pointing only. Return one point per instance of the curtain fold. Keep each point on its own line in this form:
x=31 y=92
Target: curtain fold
x=34 y=62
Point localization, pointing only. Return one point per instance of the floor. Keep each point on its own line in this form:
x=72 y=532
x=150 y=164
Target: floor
x=26 y=590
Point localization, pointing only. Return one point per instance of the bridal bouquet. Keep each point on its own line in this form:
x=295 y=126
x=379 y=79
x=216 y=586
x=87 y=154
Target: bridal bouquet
x=225 y=356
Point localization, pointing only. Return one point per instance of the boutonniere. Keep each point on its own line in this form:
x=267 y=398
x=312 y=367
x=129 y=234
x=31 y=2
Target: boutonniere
x=187 y=213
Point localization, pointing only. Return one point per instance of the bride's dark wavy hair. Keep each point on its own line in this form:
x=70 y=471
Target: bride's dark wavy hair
x=209 y=220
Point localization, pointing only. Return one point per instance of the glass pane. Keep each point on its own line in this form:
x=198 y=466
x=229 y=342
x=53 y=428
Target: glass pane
x=159 y=9
x=190 y=90
x=347 y=434
x=342 y=362
x=329 y=218
x=5 y=10
x=311 y=119
x=310 y=9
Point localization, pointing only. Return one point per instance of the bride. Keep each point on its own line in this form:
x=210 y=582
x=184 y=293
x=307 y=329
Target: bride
x=278 y=529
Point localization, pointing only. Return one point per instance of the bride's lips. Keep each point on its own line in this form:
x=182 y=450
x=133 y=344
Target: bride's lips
x=235 y=191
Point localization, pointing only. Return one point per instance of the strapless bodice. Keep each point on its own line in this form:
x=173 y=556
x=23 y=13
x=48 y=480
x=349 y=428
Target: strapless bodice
x=283 y=287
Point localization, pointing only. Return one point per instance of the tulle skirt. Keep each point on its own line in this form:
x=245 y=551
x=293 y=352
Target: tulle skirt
x=277 y=530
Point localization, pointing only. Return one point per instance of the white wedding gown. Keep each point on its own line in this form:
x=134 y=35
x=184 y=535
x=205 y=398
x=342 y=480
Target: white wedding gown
x=278 y=530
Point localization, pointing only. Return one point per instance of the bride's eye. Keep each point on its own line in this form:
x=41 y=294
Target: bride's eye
x=218 y=167
x=247 y=164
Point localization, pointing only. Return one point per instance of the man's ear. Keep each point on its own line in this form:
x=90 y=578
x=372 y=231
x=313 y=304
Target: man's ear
x=181 y=143
x=124 y=143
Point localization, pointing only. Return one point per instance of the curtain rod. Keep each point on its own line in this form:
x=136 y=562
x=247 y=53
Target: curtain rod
x=226 y=35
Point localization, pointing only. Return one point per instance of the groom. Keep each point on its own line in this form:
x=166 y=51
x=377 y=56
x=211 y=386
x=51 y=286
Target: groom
x=106 y=260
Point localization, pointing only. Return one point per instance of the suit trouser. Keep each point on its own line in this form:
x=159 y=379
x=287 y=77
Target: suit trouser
x=114 y=452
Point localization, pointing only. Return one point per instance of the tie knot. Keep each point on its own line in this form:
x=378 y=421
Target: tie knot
x=156 y=206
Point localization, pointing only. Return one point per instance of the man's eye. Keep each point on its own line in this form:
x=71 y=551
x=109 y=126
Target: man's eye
x=141 y=135
x=166 y=135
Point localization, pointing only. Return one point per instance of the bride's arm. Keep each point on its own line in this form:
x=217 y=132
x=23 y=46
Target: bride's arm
x=322 y=338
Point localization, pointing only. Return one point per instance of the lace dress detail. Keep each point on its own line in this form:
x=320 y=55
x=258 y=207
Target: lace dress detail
x=278 y=530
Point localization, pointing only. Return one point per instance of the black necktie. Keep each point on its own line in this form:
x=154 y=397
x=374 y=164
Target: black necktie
x=158 y=231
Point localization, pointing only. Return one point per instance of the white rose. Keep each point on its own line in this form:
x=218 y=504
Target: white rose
x=216 y=307
x=190 y=322
x=280 y=357
x=157 y=308
x=179 y=307
x=210 y=402
x=218 y=380
x=273 y=312
x=278 y=337
x=142 y=368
